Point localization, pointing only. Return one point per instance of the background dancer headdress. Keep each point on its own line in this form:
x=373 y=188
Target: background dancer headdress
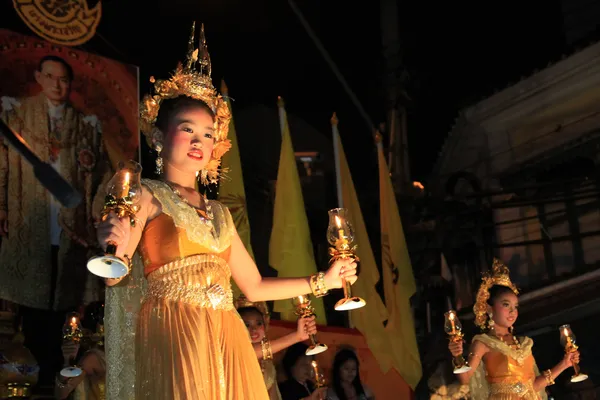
x=498 y=275
x=192 y=79
x=261 y=306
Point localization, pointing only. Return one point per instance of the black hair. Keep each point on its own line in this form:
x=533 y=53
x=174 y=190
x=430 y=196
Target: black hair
x=250 y=310
x=171 y=107
x=496 y=291
x=340 y=358
x=293 y=353
x=59 y=60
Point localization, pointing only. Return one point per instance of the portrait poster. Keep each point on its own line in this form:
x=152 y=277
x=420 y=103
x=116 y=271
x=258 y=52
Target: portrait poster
x=102 y=87
x=78 y=112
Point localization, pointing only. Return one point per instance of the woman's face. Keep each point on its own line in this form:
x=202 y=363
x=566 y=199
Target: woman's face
x=189 y=140
x=348 y=371
x=505 y=310
x=256 y=325
x=302 y=369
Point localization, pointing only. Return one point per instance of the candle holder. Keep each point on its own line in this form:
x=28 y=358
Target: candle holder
x=305 y=310
x=341 y=235
x=318 y=375
x=72 y=332
x=567 y=339
x=453 y=328
x=124 y=191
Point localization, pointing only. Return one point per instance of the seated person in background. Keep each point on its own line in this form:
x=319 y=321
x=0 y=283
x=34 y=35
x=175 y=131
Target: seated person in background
x=297 y=367
x=89 y=353
x=345 y=382
x=256 y=318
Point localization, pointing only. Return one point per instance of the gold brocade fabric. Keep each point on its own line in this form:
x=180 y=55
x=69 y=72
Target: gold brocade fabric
x=506 y=373
x=92 y=387
x=190 y=342
x=270 y=377
x=25 y=254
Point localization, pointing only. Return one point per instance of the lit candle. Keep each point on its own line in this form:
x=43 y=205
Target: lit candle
x=451 y=318
x=567 y=336
x=126 y=185
x=338 y=222
x=316 y=369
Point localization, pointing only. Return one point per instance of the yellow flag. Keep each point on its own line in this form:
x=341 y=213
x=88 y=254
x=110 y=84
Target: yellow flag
x=368 y=319
x=231 y=188
x=398 y=280
x=290 y=248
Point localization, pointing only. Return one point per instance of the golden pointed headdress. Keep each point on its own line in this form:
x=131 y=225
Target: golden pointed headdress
x=499 y=274
x=261 y=306
x=192 y=79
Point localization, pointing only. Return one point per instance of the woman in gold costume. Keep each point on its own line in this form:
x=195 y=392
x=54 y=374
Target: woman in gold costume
x=502 y=365
x=172 y=331
x=256 y=318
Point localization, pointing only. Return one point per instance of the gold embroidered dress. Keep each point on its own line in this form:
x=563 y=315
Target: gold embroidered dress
x=92 y=387
x=505 y=373
x=270 y=378
x=190 y=342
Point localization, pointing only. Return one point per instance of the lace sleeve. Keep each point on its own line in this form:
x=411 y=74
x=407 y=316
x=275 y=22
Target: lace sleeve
x=543 y=395
x=122 y=307
x=478 y=385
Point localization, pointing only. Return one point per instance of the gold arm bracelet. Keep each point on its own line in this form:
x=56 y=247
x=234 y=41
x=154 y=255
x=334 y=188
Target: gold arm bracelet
x=266 y=349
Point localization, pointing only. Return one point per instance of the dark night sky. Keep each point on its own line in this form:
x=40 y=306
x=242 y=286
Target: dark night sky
x=456 y=53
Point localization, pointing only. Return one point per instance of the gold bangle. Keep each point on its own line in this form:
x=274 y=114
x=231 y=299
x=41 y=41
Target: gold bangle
x=548 y=376
x=266 y=349
x=317 y=285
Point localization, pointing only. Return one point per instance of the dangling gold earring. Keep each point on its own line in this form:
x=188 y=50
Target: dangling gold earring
x=511 y=329
x=159 y=161
x=490 y=321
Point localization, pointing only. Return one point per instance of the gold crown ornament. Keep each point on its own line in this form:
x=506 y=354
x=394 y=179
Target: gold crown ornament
x=261 y=306
x=192 y=79
x=499 y=274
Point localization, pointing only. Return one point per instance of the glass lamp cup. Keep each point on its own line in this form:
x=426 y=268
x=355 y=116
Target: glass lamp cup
x=123 y=194
x=340 y=234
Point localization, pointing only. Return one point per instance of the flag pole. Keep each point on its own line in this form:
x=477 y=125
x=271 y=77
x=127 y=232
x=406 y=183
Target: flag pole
x=336 y=157
x=281 y=113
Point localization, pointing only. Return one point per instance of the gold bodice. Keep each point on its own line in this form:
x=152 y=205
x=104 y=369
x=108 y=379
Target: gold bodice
x=185 y=257
x=502 y=368
x=163 y=243
x=510 y=372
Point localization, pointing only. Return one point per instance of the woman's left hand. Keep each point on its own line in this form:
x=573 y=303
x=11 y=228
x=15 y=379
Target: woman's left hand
x=343 y=268
x=570 y=359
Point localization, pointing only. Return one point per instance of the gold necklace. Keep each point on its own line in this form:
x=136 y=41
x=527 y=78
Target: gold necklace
x=205 y=215
x=516 y=344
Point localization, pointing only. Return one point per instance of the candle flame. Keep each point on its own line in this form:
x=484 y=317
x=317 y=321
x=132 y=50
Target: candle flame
x=73 y=320
x=127 y=178
x=566 y=332
x=338 y=222
x=314 y=364
x=451 y=316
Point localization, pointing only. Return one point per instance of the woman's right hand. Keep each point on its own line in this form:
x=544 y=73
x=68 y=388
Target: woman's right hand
x=69 y=351
x=113 y=229
x=319 y=394
x=456 y=348
x=306 y=327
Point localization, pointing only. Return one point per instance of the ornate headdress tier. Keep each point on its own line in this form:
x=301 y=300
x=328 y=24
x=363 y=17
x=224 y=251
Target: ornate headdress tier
x=261 y=306
x=192 y=79
x=499 y=274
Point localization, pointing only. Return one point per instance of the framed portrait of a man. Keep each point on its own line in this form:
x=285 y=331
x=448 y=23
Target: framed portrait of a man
x=79 y=113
